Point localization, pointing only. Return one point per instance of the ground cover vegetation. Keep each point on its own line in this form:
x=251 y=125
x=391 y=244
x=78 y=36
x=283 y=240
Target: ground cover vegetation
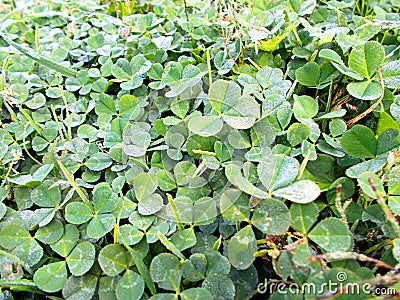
x=199 y=149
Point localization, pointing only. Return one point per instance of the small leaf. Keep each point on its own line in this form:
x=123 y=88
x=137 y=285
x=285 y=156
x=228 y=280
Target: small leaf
x=221 y=91
x=184 y=239
x=144 y=185
x=67 y=242
x=240 y=113
x=304 y=107
x=365 y=90
x=363 y=181
x=50 y=233
x=364 y=59
x=81 y=259
x=46 y=196
x=196 y=294
x=303 y=216
x=166 y=271
x=151 y=204
x=205 y=125
x=100 y=225
x=80 y=287
x=297 y=133
x=309 y=74
x=332 y=234
x=99 y=161
x=302 y=191
x=129 y=235
x=113 y=259
x=359 y=142
x=391 y=74
x=51 y=277
x=78 y=213
x=104 y=199
x=130 y=286
x=220 y=287
x=204 y=211
x=234 y=205
x=271 y=216
x=241 y=248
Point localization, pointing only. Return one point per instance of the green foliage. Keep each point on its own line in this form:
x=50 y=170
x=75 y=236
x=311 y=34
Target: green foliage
x=197 y=149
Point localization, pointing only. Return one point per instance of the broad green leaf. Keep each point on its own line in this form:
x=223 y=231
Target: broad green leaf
x=332 y=234
x=166 y=180
x=304 y=107
x=303 y=216
x=234 y=175
x=99 y=161
x=240 y=113
x=107 y=286
x=129 y=235
x=359 y=141
x=338 y=63
x=302 y=191
x=166 y=271
x=297 y=133
x=372 y=165
x=277 y=171
x=67 y=242
x=172 y=73
x=363 y=181
x=150 y=204
x=217 y=263
x=32 y=180
x=386 y=122
x=391 y=74
x=365 y=90
x=15 y=238
x=234 y=205
x=220 y=287
x=241 y=248
x=113 y=259
x=337 y=127
x=388 y=141
x=104 y=199
x=222 y=91
x=81 y=259
x=78 y=213
x=82 y=287
x=130 y=286
x=196 y=294
x=271 y=216
x=144 y=185
x=11 y=235
x=205 y=125
x=364 y=59
x=204 y=211
x=51 y=277
x=309 y=74
x=105 y=105
x=194 y=269
x=100 y=225
x=46 y=196
x=184 y=239
x=50 y=233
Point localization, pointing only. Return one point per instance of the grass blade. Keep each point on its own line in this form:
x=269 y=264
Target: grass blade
x=40 y=58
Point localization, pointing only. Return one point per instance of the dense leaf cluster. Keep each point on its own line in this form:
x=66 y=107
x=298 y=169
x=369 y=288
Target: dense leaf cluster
x=199 y=149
